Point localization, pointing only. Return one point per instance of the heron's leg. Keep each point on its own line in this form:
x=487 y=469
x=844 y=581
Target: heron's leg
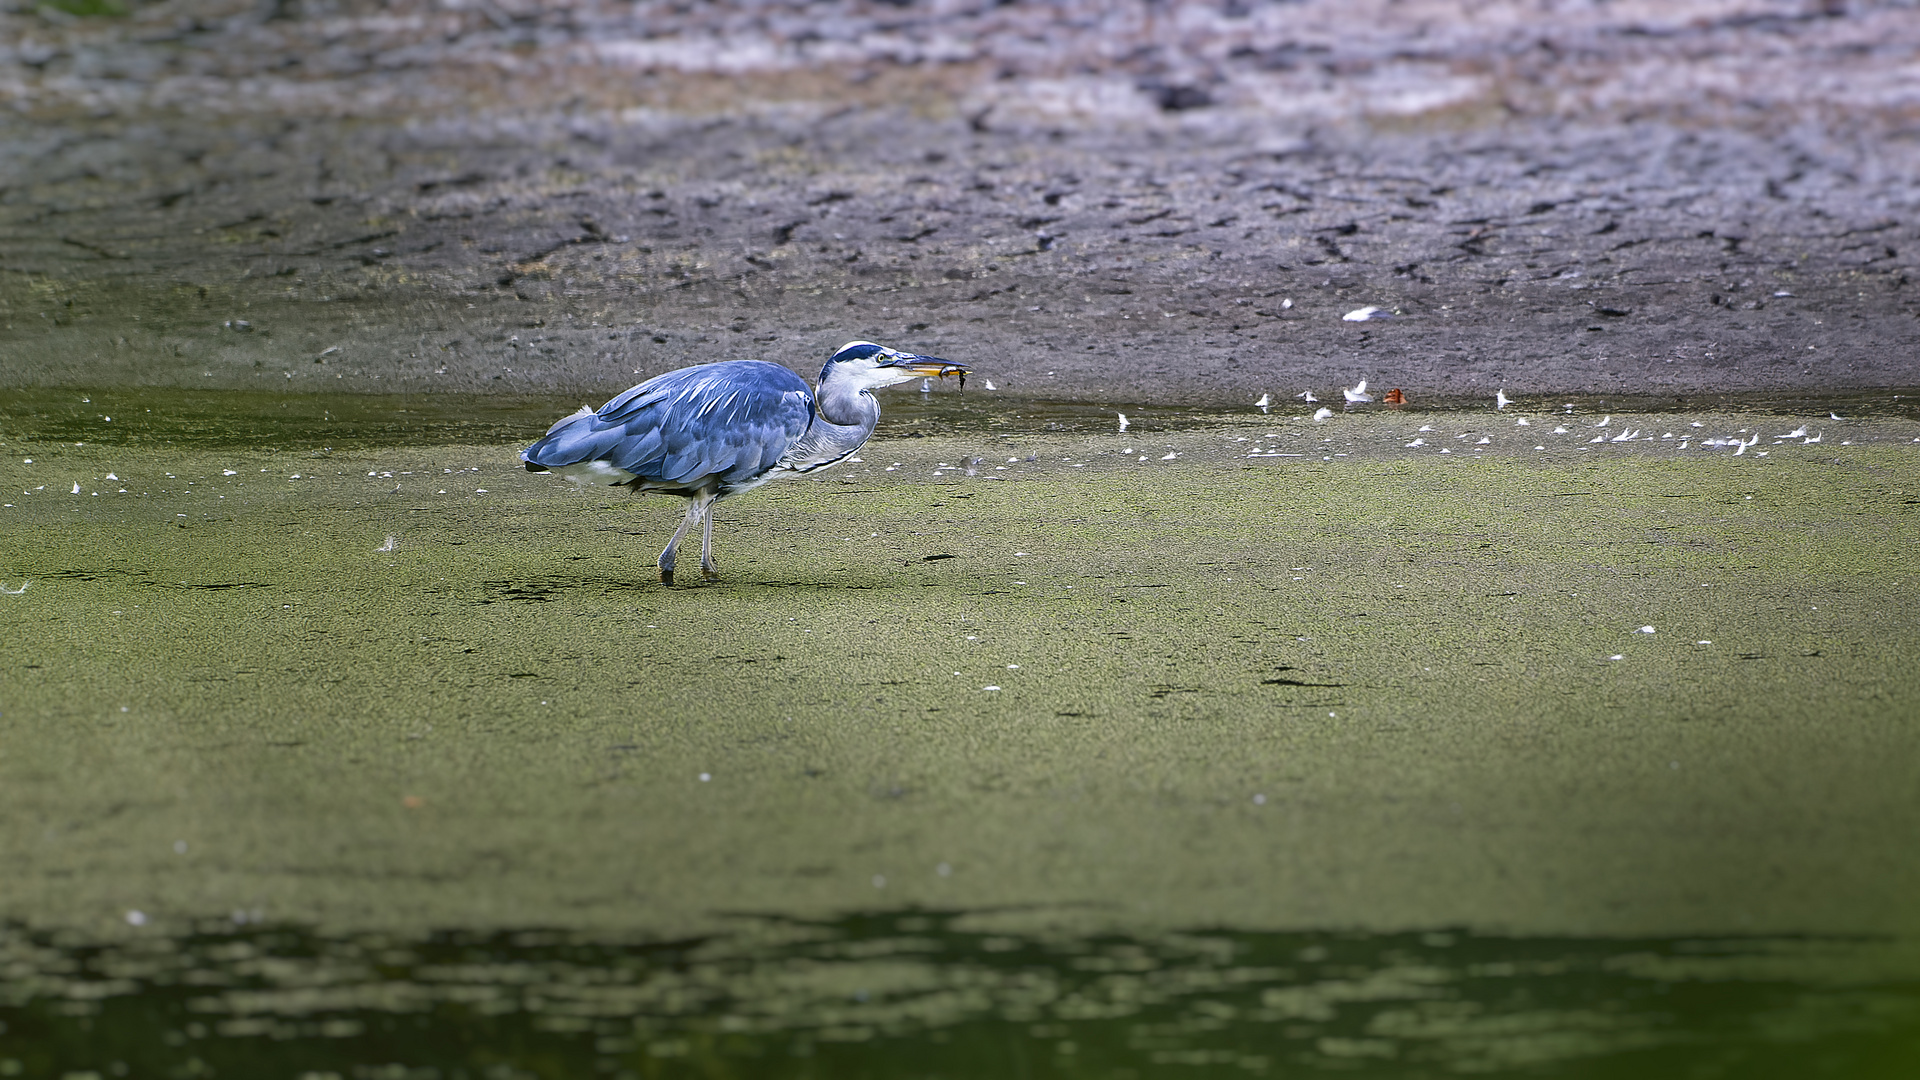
x=707 y=569
x=695 y=507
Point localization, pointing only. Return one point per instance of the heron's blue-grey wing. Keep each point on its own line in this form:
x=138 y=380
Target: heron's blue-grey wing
x=727 y=423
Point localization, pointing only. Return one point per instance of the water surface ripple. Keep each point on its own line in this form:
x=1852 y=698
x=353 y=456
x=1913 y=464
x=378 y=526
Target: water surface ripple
x=929 y=992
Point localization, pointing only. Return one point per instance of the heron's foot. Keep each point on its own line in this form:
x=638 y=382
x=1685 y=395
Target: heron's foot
x=666 y=576
x=709 y=573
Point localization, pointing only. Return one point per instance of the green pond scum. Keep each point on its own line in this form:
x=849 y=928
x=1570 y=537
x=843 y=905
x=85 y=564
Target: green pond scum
x=1224 y=745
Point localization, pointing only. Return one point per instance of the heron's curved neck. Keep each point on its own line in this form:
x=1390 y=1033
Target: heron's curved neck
x=845 y=420
x=843 y=404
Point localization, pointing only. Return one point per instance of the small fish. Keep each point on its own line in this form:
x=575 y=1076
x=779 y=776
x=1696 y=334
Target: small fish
x=1523 y=422
x=1265 y=400
x=1357 y=394
x=990 y=385
x=1307 y=396
x=1604 y=421
x=1797 y=433
x=1627 y=436
x=15 y=592
x=1501 y=400
x=1123 y=421
x=1561 y=429
x=1835 y=416
x=1286 y=305
x=1322 y=413
x=1365 y=313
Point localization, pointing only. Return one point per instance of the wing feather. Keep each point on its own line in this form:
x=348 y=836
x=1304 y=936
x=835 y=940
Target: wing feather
x=719 y=424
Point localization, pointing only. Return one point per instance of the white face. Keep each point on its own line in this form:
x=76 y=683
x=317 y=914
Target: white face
x=870 y=367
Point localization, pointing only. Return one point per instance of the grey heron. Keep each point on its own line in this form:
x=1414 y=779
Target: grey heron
x=706 y=432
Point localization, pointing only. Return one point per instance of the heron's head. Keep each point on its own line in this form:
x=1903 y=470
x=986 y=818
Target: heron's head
x=871 y=366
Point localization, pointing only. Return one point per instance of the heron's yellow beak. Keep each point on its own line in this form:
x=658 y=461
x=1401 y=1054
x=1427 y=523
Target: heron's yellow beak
x=928 y=365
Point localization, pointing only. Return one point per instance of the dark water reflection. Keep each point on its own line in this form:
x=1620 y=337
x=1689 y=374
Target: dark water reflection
x=936 y=994
x=253 y=420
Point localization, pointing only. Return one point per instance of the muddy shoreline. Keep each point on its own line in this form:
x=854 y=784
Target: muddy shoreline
x=574 y=225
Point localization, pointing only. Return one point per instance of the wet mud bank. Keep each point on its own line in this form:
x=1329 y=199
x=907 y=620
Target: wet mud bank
x=567 y=200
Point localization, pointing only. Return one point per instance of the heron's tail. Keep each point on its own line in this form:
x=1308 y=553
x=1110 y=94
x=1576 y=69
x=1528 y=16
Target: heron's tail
x=587 y=449
x=559 y=444
x=584 y=410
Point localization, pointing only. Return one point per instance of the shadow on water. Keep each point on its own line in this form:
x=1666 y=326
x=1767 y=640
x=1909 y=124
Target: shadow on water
x=923 y=993
x=235 y=418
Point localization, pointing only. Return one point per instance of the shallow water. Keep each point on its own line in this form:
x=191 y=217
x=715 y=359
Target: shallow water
x=1032 y=740
x=239 y=418
x=895 y=993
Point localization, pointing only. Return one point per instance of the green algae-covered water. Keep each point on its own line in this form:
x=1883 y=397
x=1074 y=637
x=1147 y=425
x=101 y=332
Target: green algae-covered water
x=333 y=743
